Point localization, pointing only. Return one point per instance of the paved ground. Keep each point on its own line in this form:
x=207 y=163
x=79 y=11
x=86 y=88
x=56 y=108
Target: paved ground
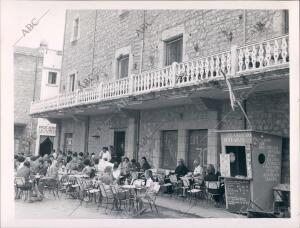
x=68 y=208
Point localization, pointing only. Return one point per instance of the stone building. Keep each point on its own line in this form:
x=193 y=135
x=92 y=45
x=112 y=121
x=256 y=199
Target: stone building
x=150 y=83
x=36 y=76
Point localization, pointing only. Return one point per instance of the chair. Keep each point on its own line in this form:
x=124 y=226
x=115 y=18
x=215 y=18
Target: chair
x=88 y=190
x=185 y=186
x=108 y=196
x=213 y=190
x=174 y=184
x=20 y=186
x=151 y=196
x=52 y=185
x=122 y=197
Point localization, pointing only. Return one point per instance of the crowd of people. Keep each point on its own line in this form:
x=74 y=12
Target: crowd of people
x=48 y=167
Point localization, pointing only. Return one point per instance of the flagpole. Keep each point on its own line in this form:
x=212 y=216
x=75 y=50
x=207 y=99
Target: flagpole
x=234 y=100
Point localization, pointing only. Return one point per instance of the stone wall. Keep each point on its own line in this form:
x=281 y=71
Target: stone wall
x=28 y=64
x=266 y=112
x=205 y=32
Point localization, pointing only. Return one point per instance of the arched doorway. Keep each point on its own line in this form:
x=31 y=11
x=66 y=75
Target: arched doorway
x=46 y=145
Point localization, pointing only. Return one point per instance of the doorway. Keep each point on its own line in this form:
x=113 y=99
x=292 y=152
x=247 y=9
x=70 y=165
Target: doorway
x=119 y=145
x=46 y=146
x=169 y=150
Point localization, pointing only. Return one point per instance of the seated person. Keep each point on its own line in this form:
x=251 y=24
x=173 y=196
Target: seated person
x=27 y=174
x=88 y=169
x=213 y=176
x=149 y=192
x=107 y=177
x=103 y=163
x=116 y=172
x=125 y=167
x=181 y=170
x=135 y=166
x=42 y=168
x=50 y=178
x=198 y=172
x=21 y=161
x=145 y=165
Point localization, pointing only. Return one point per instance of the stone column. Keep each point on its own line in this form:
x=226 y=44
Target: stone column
x=182 y=145
x=132 y=138
x=57 y=138
x=213 y=147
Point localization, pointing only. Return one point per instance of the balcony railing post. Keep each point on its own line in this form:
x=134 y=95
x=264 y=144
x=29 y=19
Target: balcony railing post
x=130 y=84
x=174 y=68
x=234 y=60
x=76 y=96
x=100 y=90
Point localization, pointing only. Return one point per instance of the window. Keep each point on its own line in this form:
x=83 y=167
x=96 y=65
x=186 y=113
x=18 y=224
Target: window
x=52 y=77
x=238 y=166
x=75 y=32
x=286 y=21
x=71 y=82
x=173 y=51
x=123 y=63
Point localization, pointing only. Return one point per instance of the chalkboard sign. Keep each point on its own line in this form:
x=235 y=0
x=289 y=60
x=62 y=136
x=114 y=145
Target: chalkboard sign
x=237 y=193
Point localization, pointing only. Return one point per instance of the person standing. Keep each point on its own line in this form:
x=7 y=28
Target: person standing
x=105 y=154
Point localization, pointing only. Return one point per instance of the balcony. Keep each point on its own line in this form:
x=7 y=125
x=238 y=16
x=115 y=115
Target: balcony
x=250 y=59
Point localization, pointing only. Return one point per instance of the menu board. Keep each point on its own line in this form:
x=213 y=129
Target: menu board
x=237 y=193
x=225 y=165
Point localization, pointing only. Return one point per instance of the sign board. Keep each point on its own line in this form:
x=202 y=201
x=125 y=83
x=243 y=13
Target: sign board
x=237 y=194
x=225 y=165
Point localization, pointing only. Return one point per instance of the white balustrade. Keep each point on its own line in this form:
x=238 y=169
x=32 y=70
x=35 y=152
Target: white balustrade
x=264 y=54
x=203 y=69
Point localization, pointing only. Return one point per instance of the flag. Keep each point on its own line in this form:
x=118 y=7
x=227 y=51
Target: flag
x=233 y=100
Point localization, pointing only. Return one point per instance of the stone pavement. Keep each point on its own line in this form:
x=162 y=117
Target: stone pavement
x=203 y=208
x=70 y=208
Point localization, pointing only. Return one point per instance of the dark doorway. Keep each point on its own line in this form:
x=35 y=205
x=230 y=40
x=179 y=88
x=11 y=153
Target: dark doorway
x=46 y=147
x=197 y=148
x=119 y=145
x=169 y=150
x=238 y=166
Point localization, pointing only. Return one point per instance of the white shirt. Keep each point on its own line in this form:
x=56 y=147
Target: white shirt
x=198 y=171
x=103 y=164
x=116 y=173
x=149 y=183
x=106 y=155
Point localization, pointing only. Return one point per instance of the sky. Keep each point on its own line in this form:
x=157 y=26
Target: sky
x=50 y=27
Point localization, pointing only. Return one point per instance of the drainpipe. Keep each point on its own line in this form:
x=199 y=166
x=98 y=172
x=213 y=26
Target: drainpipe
x=87 y=132
x=138 y=136
x=143 y=40
x=95 y=27
x=245 y=109
x=244 y=27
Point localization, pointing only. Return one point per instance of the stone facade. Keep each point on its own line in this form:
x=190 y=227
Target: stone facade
x=205 y=32
x=27 y=78
x=104 y=34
